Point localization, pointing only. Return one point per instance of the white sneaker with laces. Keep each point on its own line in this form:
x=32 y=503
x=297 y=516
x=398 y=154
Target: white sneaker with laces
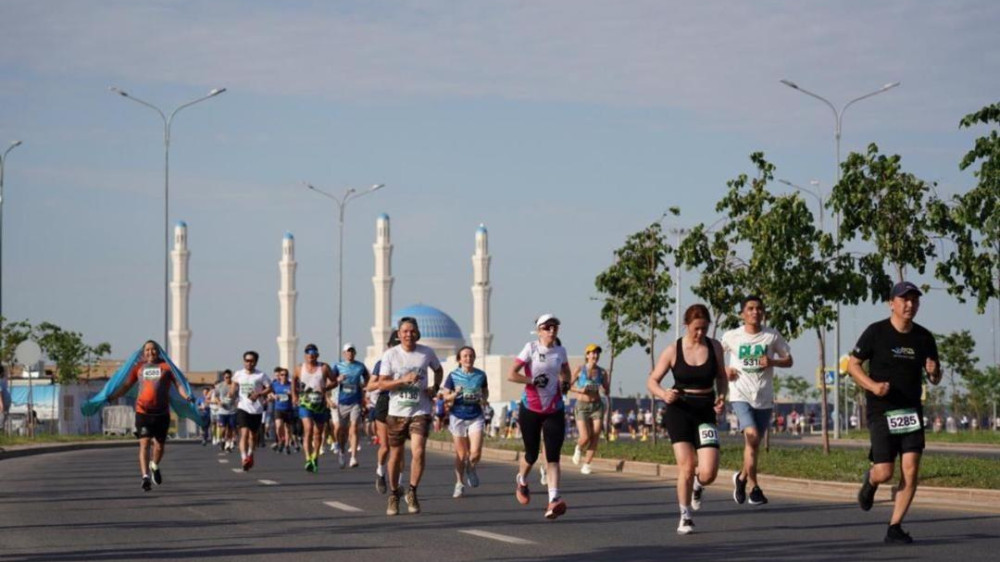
x=459 y=491
x=354 y=462
x=686 y=527
x=576 y=455
x=585 y=469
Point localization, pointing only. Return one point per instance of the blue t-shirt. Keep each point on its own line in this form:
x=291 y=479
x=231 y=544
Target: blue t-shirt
x=202 y=406
x=589 y=383
x=468 y=404
x=352 y=384
x=282 y=396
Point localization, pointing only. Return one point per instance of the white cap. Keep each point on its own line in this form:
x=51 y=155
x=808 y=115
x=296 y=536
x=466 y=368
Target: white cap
x=347 y=346
x=546 y=319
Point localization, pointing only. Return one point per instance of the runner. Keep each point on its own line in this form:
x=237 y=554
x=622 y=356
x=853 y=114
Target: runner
x=898 y=351
x=403 y=373
x=381 y=413
x=282 y=388
x=316 y=379
x=213 y=409
x=152 y=408
x=225 y=398
x=541 y=414
x=467 y=390
x=254 y=386
x=698 y=364
x=754 y=350
x=204 y=410
x=352 y=378
x=588 y=380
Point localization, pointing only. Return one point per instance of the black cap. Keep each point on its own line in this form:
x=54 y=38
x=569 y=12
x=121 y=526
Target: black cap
x=904 y=287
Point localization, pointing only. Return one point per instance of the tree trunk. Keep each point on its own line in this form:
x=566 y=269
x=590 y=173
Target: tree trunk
x=822 y=382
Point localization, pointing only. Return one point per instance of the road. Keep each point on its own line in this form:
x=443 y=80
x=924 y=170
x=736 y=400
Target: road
x=87 y=505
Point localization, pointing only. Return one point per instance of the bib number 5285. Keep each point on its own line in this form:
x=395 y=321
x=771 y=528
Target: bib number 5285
x=902 y=421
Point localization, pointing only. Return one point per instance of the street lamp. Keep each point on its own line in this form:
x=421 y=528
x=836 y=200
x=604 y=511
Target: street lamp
x=166 y=188
x=348 y=196
x=838 y=117
x=3 y=161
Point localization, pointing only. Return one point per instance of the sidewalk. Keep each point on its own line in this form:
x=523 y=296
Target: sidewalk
x=966 y=499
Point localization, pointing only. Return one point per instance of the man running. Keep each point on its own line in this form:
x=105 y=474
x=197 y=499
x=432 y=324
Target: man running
x=282 y=411
x=753 y=350
x=898 y=351
x=254 y=386
x=225 y=399
x=316 y=380
x=352 y=378
x=403 y=373
x=152 y=409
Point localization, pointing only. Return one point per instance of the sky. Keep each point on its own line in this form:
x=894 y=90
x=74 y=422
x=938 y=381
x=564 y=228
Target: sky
x=563 y=126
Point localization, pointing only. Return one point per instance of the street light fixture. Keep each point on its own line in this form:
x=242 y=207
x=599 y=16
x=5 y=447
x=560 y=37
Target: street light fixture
x=838 y=117
x=341 y=202
x=3 y=161
x=167 y=121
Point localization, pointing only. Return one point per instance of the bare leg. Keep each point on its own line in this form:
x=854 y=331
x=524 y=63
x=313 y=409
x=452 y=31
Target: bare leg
x=750 y=447
x=595 y=438
x=686 y=459
x=708 y=465
x=144 y=455
x=418 y=444
x=910 y=468
x=461 y=456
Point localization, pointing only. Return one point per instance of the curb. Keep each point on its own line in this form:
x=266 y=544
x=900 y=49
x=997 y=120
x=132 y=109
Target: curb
x=15 y=451
x=971 y=499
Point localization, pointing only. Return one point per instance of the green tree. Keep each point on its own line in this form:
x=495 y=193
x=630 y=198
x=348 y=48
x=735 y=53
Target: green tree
x=11 y=335
x=722 y=274
x=68 y=351
x=798 y=389
x=983 y=389
x=955 y=351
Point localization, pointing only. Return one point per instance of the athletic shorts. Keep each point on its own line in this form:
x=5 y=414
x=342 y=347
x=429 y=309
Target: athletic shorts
x=226 y=420
x=286 y=416
x=589 y=410
x=400 y=428
x=536 y=427
x=691 y=419
x=461 y=428
x=885 y=446
x=155 y=426
x=382 y=407
x=248 y=420
x=316 y=417
x=749 y=416
x=349 y=412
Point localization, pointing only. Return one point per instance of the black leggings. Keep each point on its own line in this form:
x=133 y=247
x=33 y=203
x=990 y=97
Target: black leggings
x=535 y=426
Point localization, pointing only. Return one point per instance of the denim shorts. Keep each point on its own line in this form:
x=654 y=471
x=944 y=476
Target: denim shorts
x=749 y=416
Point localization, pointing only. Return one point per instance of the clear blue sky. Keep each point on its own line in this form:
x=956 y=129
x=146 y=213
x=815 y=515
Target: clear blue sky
x=563 y=126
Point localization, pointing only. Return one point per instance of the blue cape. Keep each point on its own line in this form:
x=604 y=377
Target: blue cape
x=181 y=407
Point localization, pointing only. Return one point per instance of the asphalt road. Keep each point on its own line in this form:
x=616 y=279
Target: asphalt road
x=87 y=505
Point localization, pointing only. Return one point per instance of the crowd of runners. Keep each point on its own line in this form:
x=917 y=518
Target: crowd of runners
x=316 y=407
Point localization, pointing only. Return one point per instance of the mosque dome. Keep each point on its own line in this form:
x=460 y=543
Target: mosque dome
x=434 y=323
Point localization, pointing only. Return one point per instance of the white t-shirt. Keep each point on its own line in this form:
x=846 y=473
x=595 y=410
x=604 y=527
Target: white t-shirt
x=410 y=400
x=743 y=352
x=543 y=366
x=250 y=382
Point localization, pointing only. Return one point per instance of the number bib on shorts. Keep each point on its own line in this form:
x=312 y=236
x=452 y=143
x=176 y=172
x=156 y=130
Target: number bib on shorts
x=707 y=435
x=902 y=421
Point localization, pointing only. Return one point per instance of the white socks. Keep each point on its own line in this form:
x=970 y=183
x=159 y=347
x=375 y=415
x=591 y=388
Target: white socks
x=380 y=470
x=685 y=511
x=697 y=483
x=520 y=480
x=553 y=494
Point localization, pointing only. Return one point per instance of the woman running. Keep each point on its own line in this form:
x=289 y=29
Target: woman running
x=692 y=406
x=541 y=414
x=588 y=380
x=466 y=388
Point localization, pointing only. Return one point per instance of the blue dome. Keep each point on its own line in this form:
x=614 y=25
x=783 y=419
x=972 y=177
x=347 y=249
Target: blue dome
x=433 y=323
x=288 y=236
x=482 y=228
x=384 y=216
x=182 y=224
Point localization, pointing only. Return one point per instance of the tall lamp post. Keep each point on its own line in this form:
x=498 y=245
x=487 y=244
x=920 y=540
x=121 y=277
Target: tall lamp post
x=166 y=188
x=342 y=202
x=838 y=117
x=3 y=162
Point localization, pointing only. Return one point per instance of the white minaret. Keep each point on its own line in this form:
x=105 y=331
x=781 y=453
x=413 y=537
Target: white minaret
x=481 y=337
x=180 y=290
x=288 y=339
x=382 y=282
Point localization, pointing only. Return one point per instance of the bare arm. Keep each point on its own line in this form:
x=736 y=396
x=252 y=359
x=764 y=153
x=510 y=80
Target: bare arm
x=721 y=380
x=574 y=378
x=515 y=374
x=663 y=365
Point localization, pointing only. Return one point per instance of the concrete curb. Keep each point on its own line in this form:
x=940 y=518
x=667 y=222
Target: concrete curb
x=972 y=499
x=15 y=451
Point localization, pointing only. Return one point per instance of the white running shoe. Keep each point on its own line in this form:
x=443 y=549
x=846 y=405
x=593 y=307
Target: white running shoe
x=459 y=491
x=585 y=469
x=354 y=462
x=686 y=527
x=576 y=455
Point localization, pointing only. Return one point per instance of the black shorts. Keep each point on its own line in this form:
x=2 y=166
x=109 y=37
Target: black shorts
x=885 y=446
x=382 y=407
x=691 y=419
x=152 y=425
x=286 y=416
x=248 y=420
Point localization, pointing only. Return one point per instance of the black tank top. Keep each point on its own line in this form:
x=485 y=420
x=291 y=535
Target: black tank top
x=700 y=377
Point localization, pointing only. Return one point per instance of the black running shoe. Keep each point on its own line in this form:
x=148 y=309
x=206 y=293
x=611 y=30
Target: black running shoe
x=380 y=486
x=896 y=535
x=866 y=495
x=757 y=496
x=739 y=489
x=157 y=476
x=147 y=484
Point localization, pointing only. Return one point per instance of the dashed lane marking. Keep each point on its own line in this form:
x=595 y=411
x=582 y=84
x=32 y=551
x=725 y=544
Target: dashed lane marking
x=268 y=482
x=495 y=536
x=343 y=507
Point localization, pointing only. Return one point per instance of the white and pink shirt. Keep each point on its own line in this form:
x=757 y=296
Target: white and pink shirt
x=543 y=366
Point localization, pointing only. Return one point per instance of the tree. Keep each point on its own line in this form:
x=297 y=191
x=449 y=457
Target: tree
x=637 y=290
x=955 y=351
x=67 y=350
x=722 y=280
x=11 y=335
x=984 y=389
x=798 y=388
x=888 y=208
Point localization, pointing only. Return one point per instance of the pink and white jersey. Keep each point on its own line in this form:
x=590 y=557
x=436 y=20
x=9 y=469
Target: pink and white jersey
x=542 y=365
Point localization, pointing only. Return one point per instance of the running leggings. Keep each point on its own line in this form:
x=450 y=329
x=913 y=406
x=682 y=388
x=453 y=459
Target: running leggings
x=535 y=426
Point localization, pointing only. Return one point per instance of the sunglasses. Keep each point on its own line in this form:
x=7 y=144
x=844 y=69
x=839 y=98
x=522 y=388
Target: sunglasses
x=549 y=328
x=312 y=352
x=245 y=360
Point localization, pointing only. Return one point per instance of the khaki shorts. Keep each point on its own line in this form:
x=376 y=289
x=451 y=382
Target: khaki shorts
x=401 y=428
x=589 y=410
x=349 y=413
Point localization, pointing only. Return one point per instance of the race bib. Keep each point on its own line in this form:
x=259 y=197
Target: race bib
x=472 y=396
x=151 y=373
x=348 y=389
x=707 y=435
x=246 y=389
x=903 y=421
x=283 y=398
x=409 y=396
x=314 y=399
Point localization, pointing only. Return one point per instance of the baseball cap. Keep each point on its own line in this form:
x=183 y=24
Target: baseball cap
x=546 y=319
x=592 y=347
x=311 y=349
x=348 y=347
x=904 y=287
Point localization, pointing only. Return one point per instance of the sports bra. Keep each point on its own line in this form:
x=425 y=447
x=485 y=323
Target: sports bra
x=699 y=377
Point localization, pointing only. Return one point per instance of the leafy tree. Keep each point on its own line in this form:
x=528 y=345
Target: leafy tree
x=11 y=335
x=722 y=280
x=887 y=207
x=798 y=388
x=955 y=350
x=67 y=350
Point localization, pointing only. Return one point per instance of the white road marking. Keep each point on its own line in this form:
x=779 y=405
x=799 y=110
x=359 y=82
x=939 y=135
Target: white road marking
x=268 y=482
x=224 y=461
x=495 y=536
x=343 y=507
x=238 y=470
